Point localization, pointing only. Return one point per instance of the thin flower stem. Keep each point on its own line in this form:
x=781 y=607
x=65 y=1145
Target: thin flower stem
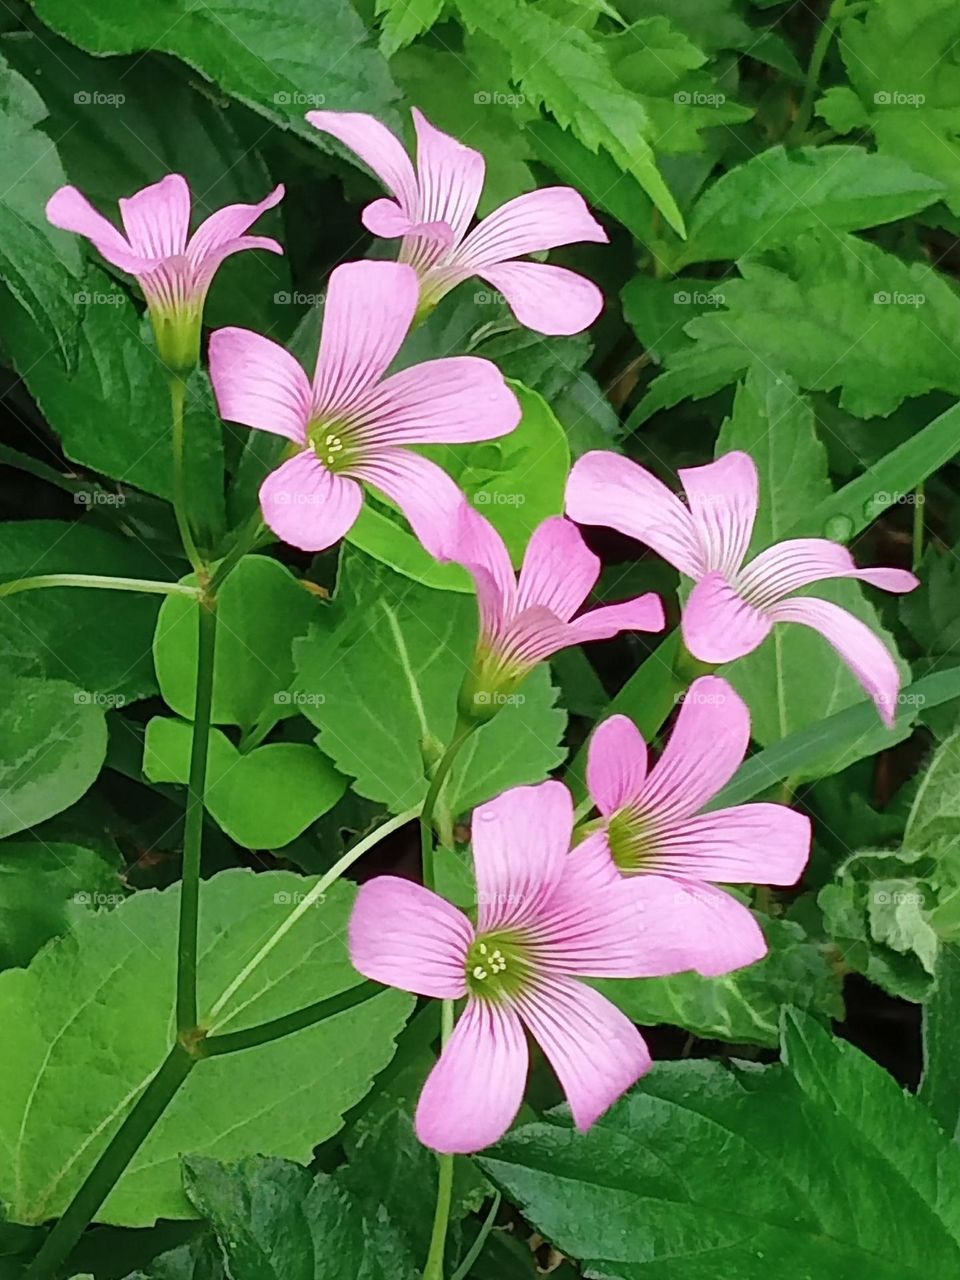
x=461 y=733
x=178 y=390
x=433 y=1270
x=288 y=1023
x=98 y=582
x=837 y=10
x=475 y=1250
x=105 y=1174
x=193 y=824
x=919 y=500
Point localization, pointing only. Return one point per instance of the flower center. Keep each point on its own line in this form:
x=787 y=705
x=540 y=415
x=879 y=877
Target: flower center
x=632 y=840
x=332 y=443
x=498 y=966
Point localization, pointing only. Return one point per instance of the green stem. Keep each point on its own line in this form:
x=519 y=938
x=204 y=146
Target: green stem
x=245 y=541
x=919 y=501
x=812 y=80
x=461 y=733
x=288 y=1023
x=98 y=583
x=178 y=390
x=475 y=1250
x=433 y=1270
x=105 y=1174
x=193 y=824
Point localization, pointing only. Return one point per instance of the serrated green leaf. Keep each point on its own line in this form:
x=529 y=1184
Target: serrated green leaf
x=940 y=1085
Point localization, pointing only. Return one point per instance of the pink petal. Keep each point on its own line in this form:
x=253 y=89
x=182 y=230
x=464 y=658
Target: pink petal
x=704 y=751
x=595 y=1049
x=559 y=569
x=377 y=147
x=546 y=298
x=406 y=936
x=369 y=309
x=749 y=844
x=424 y=493
x=386 y=218
x=520 y=846
x=718 y=624
x=208 y=268
x=530 y=223
x=449 y=177
x=642 y=613
x=307 y=505
x=863 y=652
x=616 y=764
x=473 y=1094
x=157 y=218
x=71 y=211
x=723 y=499
x=452 y=401
x=720 y=934
x=259 y=383
x=227 y=224
x=787 y=566
x=534 y=635
x=606 y=489
x=483 y=553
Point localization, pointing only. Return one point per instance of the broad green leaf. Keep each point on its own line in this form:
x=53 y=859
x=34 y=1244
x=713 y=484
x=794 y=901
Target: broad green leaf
x=934 y=821
x=45 y=888
x=718 y=24
x=40 y=265
x=940 y=1086
x=90 y=1022
x=779 y=194
x=280 y=59
x=705 y=1170
x=200 y=1259
x=99 y=640
x=381 y=685
x=832 y=312
x=659 y=311
x=262 y=798
x=53 y=739
x=744 y=1006
x=262 y=608
x=794 y=678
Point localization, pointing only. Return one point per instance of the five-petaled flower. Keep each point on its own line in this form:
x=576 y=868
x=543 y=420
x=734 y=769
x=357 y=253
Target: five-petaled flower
x=523 y=622
x=547 y=916
x=352 y=423
x=652 y=824
x=432 y=208
x=734 y=606
x=173 y=272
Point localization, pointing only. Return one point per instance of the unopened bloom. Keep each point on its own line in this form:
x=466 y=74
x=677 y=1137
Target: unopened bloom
x=173 y=272
x=653 y=825
x=733 y=606
x=433 y=205
x=546 y=917
x=523 y=622
x=352 y=423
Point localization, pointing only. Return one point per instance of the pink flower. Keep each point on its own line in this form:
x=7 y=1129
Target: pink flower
x=433 y=206
x=652 y=822
x=546 y=917
x=173 y=272
x=733 y=606
x=352 y=423
x=522 y=623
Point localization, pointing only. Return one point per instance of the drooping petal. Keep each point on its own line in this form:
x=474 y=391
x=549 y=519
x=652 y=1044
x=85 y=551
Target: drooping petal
x=616 y=764
x=545 y=298
x=595 y=1049
x=369 y=309
x=307 y=505
x=542 y=219
x=559 y=569
x=228 y=224
x=377 y=147
x=406 y=936
x=797 y=562
x=157 y=219
x=723 y=497
x=520 y=844
x=456 y=400
x=705 y=749
x=68 y=209
x=449 y=177
x=483 y=553
x=204 y=272
x=748 y=844
x=719 y=933
x=642 y=613
x=259 y=383
x=473 y=1094
x=718 y=624
x=863 y=652
x=424 y=493
x=607 y=489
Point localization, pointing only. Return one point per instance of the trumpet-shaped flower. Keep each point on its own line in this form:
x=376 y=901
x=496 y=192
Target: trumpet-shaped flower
x=734 y=606
x=352 y=423
x=546 y=917
x=523 y=622
x=173 y=271
x=653 y=825
x=433 y=205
